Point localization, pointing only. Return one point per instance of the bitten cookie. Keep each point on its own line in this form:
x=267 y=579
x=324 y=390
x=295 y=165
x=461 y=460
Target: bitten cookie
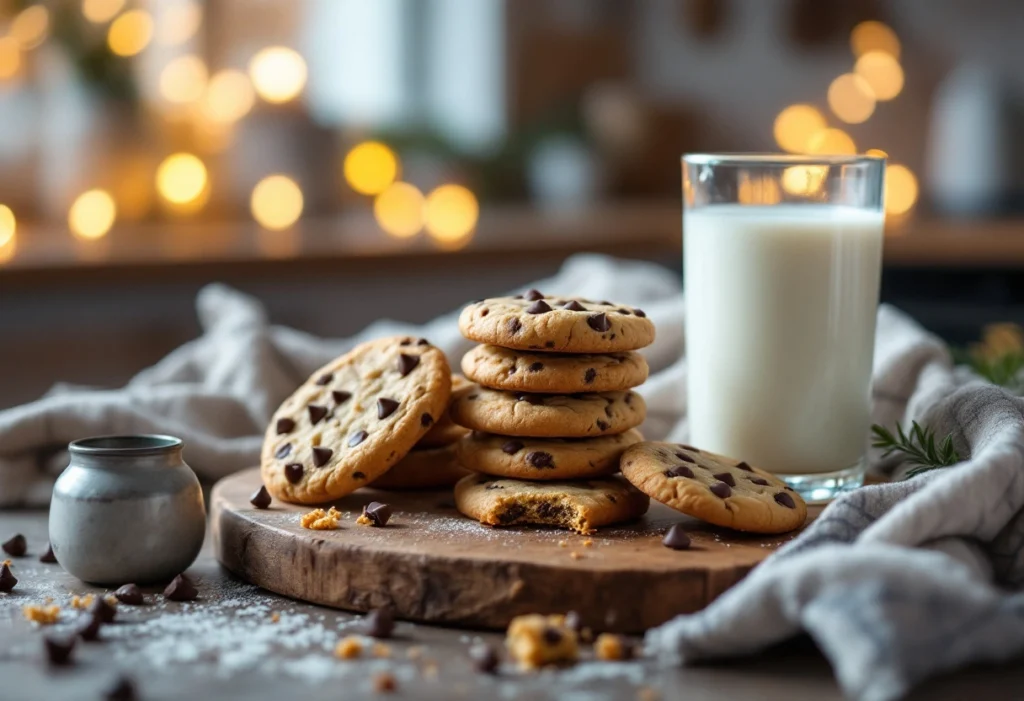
x=424 y=468
x=553 y=373
x=714 y=488
x=581 y=506
x=547 y=415
x=353 y=419
x=563 y=324
x=445 y=431
x=544 y=458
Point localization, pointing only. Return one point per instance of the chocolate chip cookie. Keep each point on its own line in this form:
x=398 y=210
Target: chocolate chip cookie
x=561 y=324
x=544 y=458
x=581 y=506
x=354 y=418
x=713 y=488
x=553 y=373
x=424 y=468
x=547 y=415
x=445 y=431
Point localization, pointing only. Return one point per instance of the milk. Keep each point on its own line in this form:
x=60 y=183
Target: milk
x=780 y=328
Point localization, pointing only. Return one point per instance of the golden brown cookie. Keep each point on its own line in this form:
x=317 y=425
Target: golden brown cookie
x=561 y=324
x=535 y=641
x=545 y=458
x=353 y=419
x=547 y=415
x=424 y=468
x=445 y=431
x=714 y=488
x=581 y=506
x=553 y=373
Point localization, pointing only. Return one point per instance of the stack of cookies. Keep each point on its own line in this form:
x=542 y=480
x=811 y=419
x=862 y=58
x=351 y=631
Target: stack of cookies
x=552 y=410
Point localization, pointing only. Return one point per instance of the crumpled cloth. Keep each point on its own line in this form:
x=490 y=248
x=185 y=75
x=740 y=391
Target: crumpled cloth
x=895 y=582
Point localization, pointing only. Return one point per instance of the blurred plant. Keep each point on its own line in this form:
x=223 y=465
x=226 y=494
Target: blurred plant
x=86 y=46
x=998 y=357
x=918 y=447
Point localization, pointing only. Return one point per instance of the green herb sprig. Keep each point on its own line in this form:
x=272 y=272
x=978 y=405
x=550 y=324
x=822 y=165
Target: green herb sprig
x=918 y=447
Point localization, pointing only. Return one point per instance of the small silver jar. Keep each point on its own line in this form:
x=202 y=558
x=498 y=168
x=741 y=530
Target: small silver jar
x=127 y=509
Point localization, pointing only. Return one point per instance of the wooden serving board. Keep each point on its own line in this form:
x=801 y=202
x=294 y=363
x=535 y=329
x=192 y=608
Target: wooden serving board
x=432 y=564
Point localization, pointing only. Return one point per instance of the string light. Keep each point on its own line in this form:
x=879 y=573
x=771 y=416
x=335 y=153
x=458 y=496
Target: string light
x=803 y=180
x=832 y=142
x=399 y=210
x=451 y=214
x=276 y=202
x=874 y=36
x=179 y=23
x=92 y=214
x=882 y=73
x=10 y=57
x=900 y=189
x=183 y=80
x=851 y=99
x=101 y=11
x=370 y=167
x=8 y=225
x=795 y=126
x=31 y=26
x=181 y=178
x=278 y=74
x=130 y=33
x=229 y=96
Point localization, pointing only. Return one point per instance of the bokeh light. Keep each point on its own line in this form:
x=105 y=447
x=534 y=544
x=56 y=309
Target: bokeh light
x=10 y=57
x=803 y=180
x=882 y=72
x=399 y=210
x=851 y=99
x=179 y=22
x=181 y=178
x=8 y=250
x=876 y=152
x=900 y=189
x=874 y=36
x=795 y=126
x=183 y=80
x=276 y=202
x=29 y=28
x=92 y=214
x=278 y=74
x=831 y=142
x=229 y=96
x=100 y=11
x=130 y=33
x=758 y=190
x=8 y=225
x=370 y=167
x=451 y=213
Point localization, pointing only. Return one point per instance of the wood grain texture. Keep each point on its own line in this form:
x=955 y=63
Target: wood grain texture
x=432 y=564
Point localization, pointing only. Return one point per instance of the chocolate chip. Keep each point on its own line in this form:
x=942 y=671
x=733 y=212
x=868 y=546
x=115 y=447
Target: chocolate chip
x=408 y=341
x=639 y=313
x=378 y=513
x=758 y=480
x=676 y=538
x=407 y=363
x=321 y=455
x=608 y=411
x=785 y=500
x=518 y=297
x=721 y=490
x=88 y=628
x=386 y=407
x=624 y=311
x=549 y=344
x=58 y=649
x=744 y=466
x=484 y=312
x=341 y=397
x=48 y=557
x=379 y=623
x=181 y=589
x=324 y=379
x=680 y=471
x=485 y=658
x=122 y=690
x=552 y=636
x=260 y=498
x=690 y=448
x=7 y=579
x=426 y=420
x=102 y=610
x=533 y=295
x=358 y=476
x=530 y=398
x=283 y=451
x=589 y=375
x=629 y=398
x=357 y=438
x=129 y=595
x=538 y=307
x=514 y=326
x=603 y=425
x=16 y=546
x=473 y=397
x=540 y=459
x=285 y=425
x=423 y=342
x=511 y=447
x=316 y=412
x=599 y=322
x=536 y=367
x=685 y=458
x=726 y=477
x=574 y=306
x=293 y=472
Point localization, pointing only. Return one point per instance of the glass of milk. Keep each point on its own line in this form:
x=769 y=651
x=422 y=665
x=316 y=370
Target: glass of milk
x=781 y=264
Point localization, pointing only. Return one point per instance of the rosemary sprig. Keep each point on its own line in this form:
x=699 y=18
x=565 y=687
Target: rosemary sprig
x=918 y=447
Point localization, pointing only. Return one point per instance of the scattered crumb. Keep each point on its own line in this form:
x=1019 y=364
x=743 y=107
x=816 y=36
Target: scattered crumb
x=43 y=615
x=82 y=602
x=348 y=648
x=111 y=600
x=320 y=520
x=275 y=617
x=384 y=683
x=414 y=653
x=646 y=693
x=363 y=520
x=563 y=544
x=536 y=640
x=6 y=562
x=431 y=670
x=576 y=555
x=588 y=543
x=609 y=646
x=381 y=650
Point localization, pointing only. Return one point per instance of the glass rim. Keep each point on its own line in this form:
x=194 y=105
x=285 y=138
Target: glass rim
x=125 y=445
x=779 y=159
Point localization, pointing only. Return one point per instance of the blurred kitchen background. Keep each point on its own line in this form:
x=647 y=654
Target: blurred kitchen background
x=346 y=160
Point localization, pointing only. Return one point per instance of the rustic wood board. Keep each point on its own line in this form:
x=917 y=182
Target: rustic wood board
x=432 y=564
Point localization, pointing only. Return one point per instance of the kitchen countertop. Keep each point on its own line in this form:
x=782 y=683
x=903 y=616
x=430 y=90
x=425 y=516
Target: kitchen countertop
x=227 y=645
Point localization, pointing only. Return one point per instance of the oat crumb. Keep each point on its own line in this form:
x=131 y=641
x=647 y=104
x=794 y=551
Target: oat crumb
x=43 y=615
x=588 y=543
x=384 y=683
x=275 y=617
x=381 y=650
x=364 y=521
x=563 y=544
x=82 y=602
x=111 y=600
x=609 y=646
x=348 y=648
x=576 y=555
x=320 y=520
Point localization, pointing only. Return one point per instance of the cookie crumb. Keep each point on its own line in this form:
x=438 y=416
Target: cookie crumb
x=82 y=602
x=588 y=543
x=6 y=562
x=320 y=520
x=431 y=670
x=536 y=640
x=348 y=648
x=275 y=617
x=384 y=683
x=646 y=693
x=43 y=615
x=563 y=544
x=609 y=646
x=381 y=650
x=576 y=555
x=110 y=599
x=414 y=653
